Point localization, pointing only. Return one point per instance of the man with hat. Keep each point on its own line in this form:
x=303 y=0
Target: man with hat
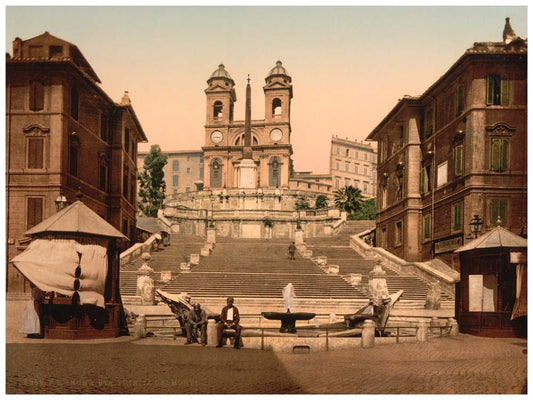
x=197 y=319
x=229 y=319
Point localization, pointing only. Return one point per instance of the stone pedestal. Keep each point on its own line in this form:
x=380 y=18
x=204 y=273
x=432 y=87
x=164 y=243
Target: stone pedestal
x=211 y=235
x=247 y=171
x=195 y=259
x=368 y=335
x=355 y=279
x=377 y=284
x=332 y=269
x=145 y=282
x=184 y=267
x=298 y=237
x=139 y=327
x=166 y=276
x=205 y=252
x=422 y=331
x=211 y=332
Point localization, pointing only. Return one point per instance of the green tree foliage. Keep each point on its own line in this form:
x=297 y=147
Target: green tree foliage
x=367 y=211
x=321 y=201
x=152 y=182
x=302 y=204
x=348 y=199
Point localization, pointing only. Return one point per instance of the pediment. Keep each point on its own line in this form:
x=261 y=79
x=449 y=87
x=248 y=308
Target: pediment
x=276 y=85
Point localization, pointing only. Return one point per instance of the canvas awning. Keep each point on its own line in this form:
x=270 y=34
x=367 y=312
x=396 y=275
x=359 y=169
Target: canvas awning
x=76 y=218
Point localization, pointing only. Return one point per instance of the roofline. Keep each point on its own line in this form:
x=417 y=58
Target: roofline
x=384 y=121
x=129 y=108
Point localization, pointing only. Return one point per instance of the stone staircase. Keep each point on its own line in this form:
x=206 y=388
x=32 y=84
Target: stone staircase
x=338 y=252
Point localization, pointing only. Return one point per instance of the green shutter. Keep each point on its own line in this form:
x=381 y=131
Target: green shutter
x=427 y=226
x=458 y=158
x=504 y=87
x=504 y=148
x=490 y=90
x=459 y=108
x=422 y=180
x=503 y=212
x=495 y=162
x=457 y=216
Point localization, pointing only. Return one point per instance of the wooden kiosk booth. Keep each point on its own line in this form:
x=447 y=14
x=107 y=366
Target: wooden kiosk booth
x=74 y=258
x=492 y=295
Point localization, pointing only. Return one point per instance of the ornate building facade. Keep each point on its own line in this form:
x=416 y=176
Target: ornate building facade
x=270 y=138
x=455 y=153
x=64 y=135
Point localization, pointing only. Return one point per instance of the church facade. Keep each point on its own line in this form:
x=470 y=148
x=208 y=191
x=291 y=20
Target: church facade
x=269 y=139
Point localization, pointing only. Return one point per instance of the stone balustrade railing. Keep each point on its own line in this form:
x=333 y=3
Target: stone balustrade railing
x=446 y=276
x=135 y=251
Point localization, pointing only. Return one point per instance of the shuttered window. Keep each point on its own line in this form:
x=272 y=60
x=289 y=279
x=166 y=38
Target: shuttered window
x=457 y=216
x=36 y=95
x=497 y=90
x=498 y=208
x=499 y=154
x=35 y=153
x=459 y=102
x=458 y=160
x=34 y=212
x=427 y=226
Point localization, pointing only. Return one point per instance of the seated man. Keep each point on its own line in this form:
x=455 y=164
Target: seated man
x=229 y=319
x=197 y=319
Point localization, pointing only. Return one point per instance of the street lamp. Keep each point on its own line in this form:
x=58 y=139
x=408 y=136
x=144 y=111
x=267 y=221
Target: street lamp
x=475 y=225
x=61 y=201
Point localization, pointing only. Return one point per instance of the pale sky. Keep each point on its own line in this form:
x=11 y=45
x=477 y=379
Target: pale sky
x=349 y=65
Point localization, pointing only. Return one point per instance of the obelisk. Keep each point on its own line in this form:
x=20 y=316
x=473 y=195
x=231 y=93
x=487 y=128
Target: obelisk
x=247 y=168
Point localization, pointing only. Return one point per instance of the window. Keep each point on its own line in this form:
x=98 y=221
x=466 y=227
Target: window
x=356 y=154
x=338 y=150
x=442 y=174
x=373 y=173
x=127 y=139
x=458 y=160
x=125 y=228
x=102 y=177
x=365 y=171
x=216 y=173
x=356 y=184
x=356 y=168
x=459 y=100
x=36 y=95
x=104 y=127
x=187 y=189
x=383 y=240
x=274 y=172
x=398 y=234
x=347 y=166
x=346 y=182
x=384 y=197
x=35 y=153
x=125 y=184
x=36 y=51
x=426 y=181
x=133 y=189
x=366 y=157
x=497 y=90
x=427 y=226
x=337 y=183
x=188 y=170
x=74 y=145
x=429 y=122
x=457 y=217
x=175 y=180
x=34 y=211
x=499 y=154
x=175 y=165
x=498 y=208
x=217 y=109
x=337 y=165
x=347 y=152
x=276 y=107
x=365 y=187
x=56 y=51
x=74 y=103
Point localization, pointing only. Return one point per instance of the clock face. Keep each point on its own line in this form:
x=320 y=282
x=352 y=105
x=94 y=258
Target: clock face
x=276 y=134
x=216 y=137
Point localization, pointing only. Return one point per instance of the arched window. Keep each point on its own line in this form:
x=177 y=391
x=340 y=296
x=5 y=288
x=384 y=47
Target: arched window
x=239 y=141
x=274 y=172
x=215 y=177
x=217 y=109
x=276 y=107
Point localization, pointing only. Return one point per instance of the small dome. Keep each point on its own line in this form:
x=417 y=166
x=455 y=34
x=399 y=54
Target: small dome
x=279 y=70
x=220 y=73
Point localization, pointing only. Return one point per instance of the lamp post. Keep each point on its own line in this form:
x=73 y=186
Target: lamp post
x=475 y=225
x=60 y=201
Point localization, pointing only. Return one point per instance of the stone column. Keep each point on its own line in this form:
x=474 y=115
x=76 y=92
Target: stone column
x=368 y=335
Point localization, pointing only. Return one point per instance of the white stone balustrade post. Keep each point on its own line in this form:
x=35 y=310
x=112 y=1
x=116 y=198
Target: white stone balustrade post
x=368 y=336
x=422 y=331
x=139 y=327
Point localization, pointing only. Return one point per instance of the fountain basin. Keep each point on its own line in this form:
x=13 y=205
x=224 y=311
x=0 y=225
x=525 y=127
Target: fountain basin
x=288 y=319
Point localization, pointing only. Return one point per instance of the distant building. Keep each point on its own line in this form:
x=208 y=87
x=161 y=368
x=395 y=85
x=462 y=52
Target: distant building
x=307 y=181
x=456 y=152
x=353 y=163
x=184 y=171
x=64 y=134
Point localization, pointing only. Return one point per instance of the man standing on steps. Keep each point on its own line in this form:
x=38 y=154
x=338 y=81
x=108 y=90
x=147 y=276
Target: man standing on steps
x=197 y=319
x=229 y=319
x=292 y=250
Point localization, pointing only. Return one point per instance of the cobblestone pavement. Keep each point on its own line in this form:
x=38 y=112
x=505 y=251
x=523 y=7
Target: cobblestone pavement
x=460 y=364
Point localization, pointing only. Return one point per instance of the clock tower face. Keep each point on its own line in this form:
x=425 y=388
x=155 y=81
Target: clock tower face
x=276 y=134
x=216 y=137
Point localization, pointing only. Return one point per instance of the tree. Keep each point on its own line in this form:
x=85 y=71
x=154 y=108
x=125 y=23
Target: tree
x=321 y=201
x=367 y=211
x=152 y=183
x=302 y=204
x=348 y=199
